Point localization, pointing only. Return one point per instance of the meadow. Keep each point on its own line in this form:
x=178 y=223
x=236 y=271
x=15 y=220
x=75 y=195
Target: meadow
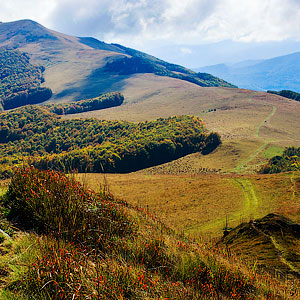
x=200 y=204
x=79 y=244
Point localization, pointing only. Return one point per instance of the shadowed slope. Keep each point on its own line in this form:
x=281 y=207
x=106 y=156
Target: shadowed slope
x=273 y=241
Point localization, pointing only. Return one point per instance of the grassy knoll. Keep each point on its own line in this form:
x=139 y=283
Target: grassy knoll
x=272 y=241
x=92 y=245
x=199 y=204
x=272 y=151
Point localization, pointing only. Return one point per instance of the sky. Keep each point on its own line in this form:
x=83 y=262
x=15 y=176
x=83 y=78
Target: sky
x=179 y=26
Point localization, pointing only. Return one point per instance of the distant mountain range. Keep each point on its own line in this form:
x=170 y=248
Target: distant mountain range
x=279 y=73
x=84 y=67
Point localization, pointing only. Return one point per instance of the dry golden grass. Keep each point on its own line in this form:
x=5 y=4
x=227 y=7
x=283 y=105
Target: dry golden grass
x=199 y=204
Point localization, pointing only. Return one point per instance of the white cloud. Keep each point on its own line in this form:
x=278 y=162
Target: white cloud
x=186 y=51
x=141 y=22
x=38 y=10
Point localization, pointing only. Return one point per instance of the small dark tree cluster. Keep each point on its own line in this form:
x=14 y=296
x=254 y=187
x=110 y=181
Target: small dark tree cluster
x=287 y=94
x=288 y=161
x=101 y=102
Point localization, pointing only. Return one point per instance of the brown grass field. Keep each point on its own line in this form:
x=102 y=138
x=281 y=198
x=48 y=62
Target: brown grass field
x=200 y=204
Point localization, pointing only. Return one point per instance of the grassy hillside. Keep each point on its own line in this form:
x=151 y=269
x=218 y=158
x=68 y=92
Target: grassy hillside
x=253 y=125
x=92 y=245
x=273 y=242
x=20 y=81
x=200 y=204
x=143 y=63
x=33 y=133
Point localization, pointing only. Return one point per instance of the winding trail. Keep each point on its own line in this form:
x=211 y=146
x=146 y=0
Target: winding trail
x=293 y=187
x=251 y=200
x=249 y=209
x=242 y=165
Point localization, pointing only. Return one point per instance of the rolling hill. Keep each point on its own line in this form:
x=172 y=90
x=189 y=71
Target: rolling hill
x=79 y=67
x=278 y=73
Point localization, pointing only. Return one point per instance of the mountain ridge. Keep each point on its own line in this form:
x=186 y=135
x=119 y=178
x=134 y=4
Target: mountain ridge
x=278 y=73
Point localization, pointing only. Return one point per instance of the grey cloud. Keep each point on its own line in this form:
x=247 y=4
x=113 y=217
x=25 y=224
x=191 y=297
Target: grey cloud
x=143 y=23
x=118 y=17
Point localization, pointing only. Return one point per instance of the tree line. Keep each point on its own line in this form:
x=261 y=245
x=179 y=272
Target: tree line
x=47 y=141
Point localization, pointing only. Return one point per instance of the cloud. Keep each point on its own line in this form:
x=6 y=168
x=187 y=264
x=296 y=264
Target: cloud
x=147 y=22
x=185 y=51
x=30 y=9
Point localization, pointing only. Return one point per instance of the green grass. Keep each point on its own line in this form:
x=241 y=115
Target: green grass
x=273 y=151
x=199 y=204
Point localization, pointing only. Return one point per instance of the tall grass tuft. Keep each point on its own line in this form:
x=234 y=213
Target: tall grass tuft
x=51 y=202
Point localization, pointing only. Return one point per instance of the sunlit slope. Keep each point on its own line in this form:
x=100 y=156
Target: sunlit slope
x=200 y=204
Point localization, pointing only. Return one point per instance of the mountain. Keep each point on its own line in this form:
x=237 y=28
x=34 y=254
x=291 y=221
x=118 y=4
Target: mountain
x=279 y=73
x=79 y=68
x=83 y=67
x=226 y=51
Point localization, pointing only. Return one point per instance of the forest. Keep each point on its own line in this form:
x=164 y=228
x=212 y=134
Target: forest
x=288 y=161
x=36 y=135
x=287 y=94
x=100 y=102
x=20 y=81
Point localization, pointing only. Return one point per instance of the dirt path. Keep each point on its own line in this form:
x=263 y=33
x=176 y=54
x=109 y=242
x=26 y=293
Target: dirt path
x=293 y=187
x=249 y=208
x=242 y=165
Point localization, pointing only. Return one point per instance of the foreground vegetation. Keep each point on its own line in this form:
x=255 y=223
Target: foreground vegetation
x=92 y=246
x=20 y=80
x=288 y=161
x=34 y=134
